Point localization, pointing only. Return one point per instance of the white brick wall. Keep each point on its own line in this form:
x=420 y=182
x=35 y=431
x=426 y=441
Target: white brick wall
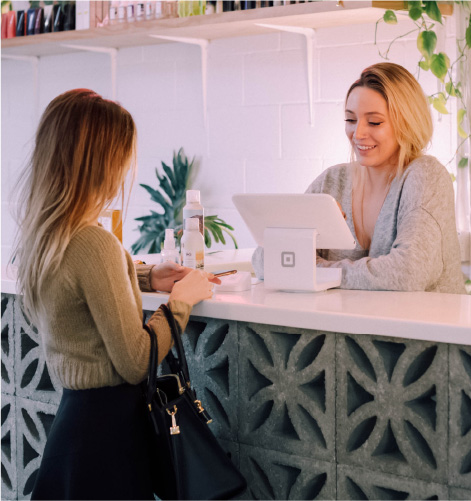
x=258 y=136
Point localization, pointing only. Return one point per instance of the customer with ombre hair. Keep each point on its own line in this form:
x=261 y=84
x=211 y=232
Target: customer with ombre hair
x=80 y=288
x=398 y=202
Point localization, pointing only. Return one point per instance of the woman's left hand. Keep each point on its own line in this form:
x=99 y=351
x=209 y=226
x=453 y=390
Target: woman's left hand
x=163 y=276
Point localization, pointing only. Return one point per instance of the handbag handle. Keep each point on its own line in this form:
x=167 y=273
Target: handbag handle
x=153 y=364
x=178 y=365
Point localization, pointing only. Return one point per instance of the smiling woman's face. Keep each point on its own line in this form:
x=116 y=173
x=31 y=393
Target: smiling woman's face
x=369 y=129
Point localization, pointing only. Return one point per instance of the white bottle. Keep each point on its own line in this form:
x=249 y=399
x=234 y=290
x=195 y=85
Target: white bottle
x=192 y=245
x=193 y=208
x=122 y=10
x=169 y=253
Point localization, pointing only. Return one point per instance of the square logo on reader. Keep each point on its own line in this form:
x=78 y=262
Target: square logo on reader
x=288 y=259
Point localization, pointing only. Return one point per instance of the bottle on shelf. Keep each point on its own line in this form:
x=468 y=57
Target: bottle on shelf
x=140 y=12
x=192 y=245
x=169 y=252
x=122 y=8
x=130 y=12
x=21 y=23
x=113 y=12
x=193 y=208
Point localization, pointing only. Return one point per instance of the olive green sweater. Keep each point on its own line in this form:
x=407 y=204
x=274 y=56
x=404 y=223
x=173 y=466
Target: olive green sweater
x=91 y=330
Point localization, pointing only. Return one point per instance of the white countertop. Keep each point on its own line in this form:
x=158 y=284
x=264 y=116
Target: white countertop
x=413 y=315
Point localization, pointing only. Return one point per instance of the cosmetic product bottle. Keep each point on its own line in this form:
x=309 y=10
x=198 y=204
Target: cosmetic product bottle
x=30 y=21
x=140 y=11
x=58 y=13
x=248 y=5
x=38 y=21
x=69 y=16
x=159 y=10
x=113 y=12
x=227 y=6
x=193 y=208
x=219 y=6
x=237 y=5
x=169 y=253
x=20 y=23
x=122 y=6
x=210 y=8
x=192 y=245
x=4 y=25
x=11 y=24
x=48 y=19
x=130 y=12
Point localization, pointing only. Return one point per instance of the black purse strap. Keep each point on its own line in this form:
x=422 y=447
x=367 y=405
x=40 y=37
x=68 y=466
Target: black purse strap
x=178 y=365
x=153 y=364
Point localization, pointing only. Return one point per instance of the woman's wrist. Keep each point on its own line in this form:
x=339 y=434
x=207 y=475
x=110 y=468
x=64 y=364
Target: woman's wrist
x=143 y=272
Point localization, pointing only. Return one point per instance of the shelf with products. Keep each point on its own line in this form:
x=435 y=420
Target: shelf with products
x=315 y=14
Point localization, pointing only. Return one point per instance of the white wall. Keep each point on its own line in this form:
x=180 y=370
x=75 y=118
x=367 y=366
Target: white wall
x=258 y=137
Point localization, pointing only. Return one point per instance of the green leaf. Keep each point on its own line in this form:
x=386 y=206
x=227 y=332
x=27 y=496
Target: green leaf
x=459 y=119
x=425 y=65
x=439 y=64
x=432 y=11
x=390 y=17
x=468 y=35
x=439 y=103
x=450 y=89
x=463 y=163
x=415 y=12
x=426 y=43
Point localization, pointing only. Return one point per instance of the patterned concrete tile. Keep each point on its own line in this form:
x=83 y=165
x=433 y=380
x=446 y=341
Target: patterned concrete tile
x=358 y=483
x=459 y=453
x=392 y=406
x=33 y=380
x=8 y=346
x=457 y=493
x=275 y=475
x=34 y=420
x=287 y=390
x=9 y=475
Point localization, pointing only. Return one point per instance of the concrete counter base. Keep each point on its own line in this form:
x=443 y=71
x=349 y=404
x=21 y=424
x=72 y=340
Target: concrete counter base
x=306 y=414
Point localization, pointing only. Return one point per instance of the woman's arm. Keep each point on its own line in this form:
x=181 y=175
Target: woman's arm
x=413 y=264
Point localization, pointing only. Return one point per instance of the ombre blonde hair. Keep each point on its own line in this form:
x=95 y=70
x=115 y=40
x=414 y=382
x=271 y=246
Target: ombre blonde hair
x=84 y=148
x=408 y=108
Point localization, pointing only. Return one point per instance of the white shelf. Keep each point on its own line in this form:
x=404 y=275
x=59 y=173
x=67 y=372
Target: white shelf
x=316 y=14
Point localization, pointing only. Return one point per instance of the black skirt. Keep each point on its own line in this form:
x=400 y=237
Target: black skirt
x=99 y=447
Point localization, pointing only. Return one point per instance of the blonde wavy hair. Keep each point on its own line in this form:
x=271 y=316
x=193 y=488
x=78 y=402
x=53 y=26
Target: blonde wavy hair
x=84 y=148
x=408 y=108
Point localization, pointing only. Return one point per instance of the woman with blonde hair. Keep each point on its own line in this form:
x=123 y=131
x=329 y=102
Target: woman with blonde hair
x=398 y=202
x=81 y=289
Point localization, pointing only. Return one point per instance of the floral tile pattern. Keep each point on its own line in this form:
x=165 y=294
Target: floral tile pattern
x=392 y=398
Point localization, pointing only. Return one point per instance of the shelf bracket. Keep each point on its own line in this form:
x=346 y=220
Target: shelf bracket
x=34 y=60
x=310 y=35
x=204 y=44
x=113 y=53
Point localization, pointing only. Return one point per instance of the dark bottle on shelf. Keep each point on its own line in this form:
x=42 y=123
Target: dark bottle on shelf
x=227 y=6
x=20 y=23
x=38 y=21
x=58 y=15
x=69 y=16
x=248 y=5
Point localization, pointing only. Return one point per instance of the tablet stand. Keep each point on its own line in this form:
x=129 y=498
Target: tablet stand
x=290 y=261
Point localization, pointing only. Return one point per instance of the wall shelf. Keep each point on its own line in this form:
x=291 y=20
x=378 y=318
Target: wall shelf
x=318 y=14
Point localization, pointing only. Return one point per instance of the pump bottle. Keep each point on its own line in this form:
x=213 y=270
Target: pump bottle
x=192 y=245
x=169 y=253
x=194 y=209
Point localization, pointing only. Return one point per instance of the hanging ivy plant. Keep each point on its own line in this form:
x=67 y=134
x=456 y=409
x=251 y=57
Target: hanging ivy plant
x=425 y=14
x=171 y=197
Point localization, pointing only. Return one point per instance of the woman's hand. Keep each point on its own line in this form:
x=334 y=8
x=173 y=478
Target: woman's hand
x=194 y=287
x=163 y=276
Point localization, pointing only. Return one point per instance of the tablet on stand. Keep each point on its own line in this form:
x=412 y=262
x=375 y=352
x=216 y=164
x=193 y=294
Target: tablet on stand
x=291 y=227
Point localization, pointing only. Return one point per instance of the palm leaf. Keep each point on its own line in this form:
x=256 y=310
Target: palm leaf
x=171 y=197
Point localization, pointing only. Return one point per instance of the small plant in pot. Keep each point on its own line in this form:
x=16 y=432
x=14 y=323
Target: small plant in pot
x=171 y=197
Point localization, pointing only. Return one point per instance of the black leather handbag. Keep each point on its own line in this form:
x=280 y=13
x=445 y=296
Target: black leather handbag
x=189 y=462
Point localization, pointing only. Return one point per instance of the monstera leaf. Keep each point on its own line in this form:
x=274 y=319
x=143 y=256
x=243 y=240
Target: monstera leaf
x=171 y=197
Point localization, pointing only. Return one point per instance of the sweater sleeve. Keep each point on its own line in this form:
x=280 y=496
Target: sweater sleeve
x=107 y=290
x=413 y=264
